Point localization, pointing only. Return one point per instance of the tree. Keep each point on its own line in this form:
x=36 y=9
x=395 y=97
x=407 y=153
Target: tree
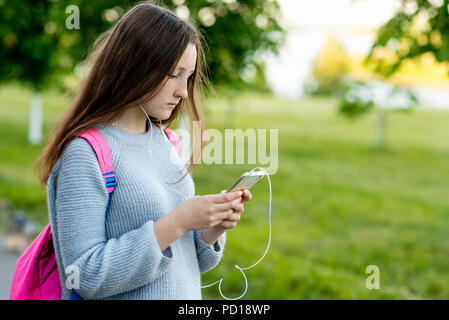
x=41 y=43
x=418 y=27
x=28 y=52
x=359 y=98
x=235 y=30
x=329 y=68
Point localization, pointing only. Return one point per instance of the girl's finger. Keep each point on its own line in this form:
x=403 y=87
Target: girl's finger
x=247 y=195
x=235 y=204
x=223 y=206
x=226 y=197
x=224 y=215
x=228 y=224
x=239 y=208
x=233 y=217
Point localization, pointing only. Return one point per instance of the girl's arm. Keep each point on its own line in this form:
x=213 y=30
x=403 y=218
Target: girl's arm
x=211 y=235
x=167 y=230
x=106 y=266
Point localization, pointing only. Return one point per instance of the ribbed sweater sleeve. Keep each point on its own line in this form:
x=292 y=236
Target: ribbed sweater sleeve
x=208 y=255
x=106 y=267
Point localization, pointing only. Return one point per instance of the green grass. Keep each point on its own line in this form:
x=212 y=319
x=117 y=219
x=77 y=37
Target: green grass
x=337 y=208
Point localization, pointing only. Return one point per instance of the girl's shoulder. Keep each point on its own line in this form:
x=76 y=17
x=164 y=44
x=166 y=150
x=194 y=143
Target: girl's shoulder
x=78 y=148
x=77 y=156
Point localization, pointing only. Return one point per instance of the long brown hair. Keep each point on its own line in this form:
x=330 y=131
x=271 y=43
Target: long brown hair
x=129 y=64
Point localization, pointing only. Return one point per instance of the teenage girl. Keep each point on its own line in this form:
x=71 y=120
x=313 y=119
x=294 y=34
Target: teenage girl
x=153 y=238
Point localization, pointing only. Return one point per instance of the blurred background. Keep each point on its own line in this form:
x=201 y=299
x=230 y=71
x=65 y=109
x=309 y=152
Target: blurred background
x=359 y=91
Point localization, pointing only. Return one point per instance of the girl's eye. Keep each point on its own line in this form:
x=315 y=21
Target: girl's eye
x=175 y=76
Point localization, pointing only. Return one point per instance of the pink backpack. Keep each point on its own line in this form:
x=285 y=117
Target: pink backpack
x=36 y=275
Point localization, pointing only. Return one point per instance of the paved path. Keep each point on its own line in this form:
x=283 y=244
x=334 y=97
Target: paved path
x=7 y=264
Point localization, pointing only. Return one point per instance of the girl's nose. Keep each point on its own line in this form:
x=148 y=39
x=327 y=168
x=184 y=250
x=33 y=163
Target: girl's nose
x=181 y=92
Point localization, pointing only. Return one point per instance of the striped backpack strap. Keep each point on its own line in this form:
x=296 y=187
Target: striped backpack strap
x=101 y=148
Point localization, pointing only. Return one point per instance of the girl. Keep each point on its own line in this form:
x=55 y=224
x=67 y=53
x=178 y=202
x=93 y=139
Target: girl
x=156 y=236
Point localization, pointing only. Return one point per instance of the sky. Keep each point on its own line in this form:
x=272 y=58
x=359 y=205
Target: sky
x=308 y=23
x=338 y=13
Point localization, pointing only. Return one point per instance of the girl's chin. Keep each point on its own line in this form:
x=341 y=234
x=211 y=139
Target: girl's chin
x=167 y=115
x=162 y=114
x=169 y=112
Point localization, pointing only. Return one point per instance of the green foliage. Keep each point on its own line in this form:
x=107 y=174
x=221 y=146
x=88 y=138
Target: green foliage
x=359 y=97
x=419 y=26
x=352 y=104
x=337 y=206
x=38 y=47
x=329 y=69
x=241 y=29
x=28 y=45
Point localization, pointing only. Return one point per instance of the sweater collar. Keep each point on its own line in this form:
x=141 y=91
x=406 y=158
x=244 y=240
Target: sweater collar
x=154 y=133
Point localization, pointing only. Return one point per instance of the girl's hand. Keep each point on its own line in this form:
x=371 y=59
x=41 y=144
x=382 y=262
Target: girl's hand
x=231 y=222
x=202 y=212
x=247 y=195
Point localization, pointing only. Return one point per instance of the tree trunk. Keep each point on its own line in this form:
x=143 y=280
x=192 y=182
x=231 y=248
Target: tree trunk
x=381 y=128
x=35 y=118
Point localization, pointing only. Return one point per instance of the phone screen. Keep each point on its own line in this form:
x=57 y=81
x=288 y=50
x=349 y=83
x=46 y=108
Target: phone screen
x=246 y=181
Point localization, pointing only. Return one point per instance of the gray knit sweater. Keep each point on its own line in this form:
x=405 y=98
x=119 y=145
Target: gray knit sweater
x=114 y=246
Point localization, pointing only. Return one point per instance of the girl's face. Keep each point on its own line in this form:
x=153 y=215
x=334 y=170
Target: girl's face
x=175 y=89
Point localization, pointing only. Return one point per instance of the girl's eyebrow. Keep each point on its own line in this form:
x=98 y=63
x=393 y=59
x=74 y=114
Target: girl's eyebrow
x=183 y=69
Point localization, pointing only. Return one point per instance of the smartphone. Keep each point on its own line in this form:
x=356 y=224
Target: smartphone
x=247 y=180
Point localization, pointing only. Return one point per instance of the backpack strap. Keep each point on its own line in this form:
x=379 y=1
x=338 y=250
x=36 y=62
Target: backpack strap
x=174 y=139
x=101 y=148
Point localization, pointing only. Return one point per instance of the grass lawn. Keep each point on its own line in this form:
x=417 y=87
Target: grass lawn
x=337 y=208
